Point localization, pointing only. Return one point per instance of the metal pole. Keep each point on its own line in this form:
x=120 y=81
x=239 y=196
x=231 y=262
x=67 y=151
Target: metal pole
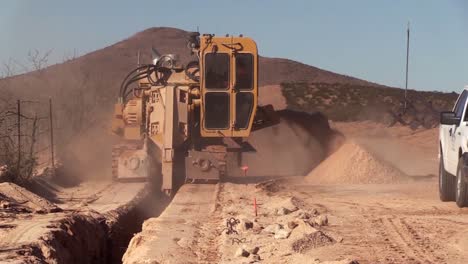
x=18 y=102
x=407 y=61
x=51 y=128
x=138 y=58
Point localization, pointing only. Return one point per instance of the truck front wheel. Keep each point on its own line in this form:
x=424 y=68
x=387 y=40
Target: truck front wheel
x=461 y=195
x=446 y=182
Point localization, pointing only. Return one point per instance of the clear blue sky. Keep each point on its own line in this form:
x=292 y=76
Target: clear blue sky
x=361 y=38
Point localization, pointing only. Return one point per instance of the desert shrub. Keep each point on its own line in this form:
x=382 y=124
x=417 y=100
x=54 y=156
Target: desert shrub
x=350 y=102
x=19 y=152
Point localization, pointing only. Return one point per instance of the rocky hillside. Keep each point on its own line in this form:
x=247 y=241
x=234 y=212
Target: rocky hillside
x=348 y=102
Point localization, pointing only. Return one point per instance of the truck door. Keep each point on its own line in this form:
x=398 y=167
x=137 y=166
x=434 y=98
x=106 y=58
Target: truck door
x=453 y=133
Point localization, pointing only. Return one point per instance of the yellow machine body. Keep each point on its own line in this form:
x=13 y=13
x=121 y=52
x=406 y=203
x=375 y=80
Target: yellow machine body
x=187 y=120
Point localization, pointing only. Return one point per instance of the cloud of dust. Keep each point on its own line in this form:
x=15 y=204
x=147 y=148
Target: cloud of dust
x=87 y=155
x=292 y=148
x=410 y=158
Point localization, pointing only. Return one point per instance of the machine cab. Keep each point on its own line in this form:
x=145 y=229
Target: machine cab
x=229 y=85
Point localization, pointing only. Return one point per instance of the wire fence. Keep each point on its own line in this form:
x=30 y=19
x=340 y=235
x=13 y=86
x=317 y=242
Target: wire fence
x=26 y=139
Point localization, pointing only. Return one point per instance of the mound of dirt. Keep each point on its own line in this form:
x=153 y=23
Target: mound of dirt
x=313 y=240
x=269 y=187
x=18 y=199
x=353 y=164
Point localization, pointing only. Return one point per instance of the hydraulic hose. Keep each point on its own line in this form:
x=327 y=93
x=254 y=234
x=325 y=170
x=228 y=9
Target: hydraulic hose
x=128 y=75
x=193 y=64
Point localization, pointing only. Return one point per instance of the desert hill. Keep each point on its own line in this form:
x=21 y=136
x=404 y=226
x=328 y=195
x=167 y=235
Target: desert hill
x=85 y=88
x=106 y=67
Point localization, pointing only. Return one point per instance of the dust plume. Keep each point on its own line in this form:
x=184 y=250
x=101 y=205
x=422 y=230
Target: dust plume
x=291 y=148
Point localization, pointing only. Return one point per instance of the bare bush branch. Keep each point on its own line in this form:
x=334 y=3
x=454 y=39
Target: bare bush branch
x=37 y=60
x=18 y=151
x=9 y=68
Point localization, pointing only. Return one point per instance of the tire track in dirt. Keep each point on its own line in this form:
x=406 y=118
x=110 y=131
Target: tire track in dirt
x=396 y=252
x=453 y=221
x=24 y=232
x=208 y=241
x=405 y=235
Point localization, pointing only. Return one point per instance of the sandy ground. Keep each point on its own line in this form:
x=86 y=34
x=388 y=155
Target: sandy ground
x=391 y=223
x=298 y=220
x=395 y=222
x=382 y=223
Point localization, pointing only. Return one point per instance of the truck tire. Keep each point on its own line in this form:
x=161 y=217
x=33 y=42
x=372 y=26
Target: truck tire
x=446 y=182
x=461 y=194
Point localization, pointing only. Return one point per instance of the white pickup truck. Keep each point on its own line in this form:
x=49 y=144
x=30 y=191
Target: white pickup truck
x=453 y=153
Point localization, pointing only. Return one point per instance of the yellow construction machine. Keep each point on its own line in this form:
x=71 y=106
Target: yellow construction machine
x=185 y=123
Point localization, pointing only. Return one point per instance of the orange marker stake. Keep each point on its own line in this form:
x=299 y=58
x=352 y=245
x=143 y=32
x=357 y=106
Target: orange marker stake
x=245 y=169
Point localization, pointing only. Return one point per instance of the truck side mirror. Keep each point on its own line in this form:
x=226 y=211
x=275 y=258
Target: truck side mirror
x=449 y=118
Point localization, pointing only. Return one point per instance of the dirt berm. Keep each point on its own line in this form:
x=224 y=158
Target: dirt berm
x=92 y=228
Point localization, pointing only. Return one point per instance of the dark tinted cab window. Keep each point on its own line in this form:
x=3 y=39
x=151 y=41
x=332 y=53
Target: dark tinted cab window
x=244 y=71
x=217 y=110
x=244 y=105
x=216 y=71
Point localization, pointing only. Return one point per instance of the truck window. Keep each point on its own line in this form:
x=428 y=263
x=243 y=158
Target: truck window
x=461 y=104
x=217 y=71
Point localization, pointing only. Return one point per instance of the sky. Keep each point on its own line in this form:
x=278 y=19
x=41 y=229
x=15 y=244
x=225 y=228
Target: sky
x=361 y=38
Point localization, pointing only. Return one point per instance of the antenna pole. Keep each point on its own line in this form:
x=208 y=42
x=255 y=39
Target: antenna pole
x=407 y=62
x=51 y=127
x=18 y=102
x=138 y=58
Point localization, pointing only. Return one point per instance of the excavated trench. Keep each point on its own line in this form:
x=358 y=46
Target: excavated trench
x=89 y=236
x=128 y=221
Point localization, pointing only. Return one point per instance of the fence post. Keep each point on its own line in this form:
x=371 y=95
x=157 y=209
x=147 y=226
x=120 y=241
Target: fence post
x=18 y=102
x=51 y=128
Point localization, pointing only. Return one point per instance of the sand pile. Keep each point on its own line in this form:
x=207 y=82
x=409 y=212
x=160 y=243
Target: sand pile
x=353 y=164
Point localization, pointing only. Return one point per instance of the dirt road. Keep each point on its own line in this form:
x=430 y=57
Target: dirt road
x=297 y=221
x=391 y=223
x=402 y=222
x=387 y=223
